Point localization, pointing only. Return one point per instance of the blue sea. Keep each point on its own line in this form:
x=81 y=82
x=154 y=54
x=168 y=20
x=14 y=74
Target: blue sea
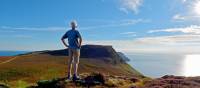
x=158 y=65
x=12 y=53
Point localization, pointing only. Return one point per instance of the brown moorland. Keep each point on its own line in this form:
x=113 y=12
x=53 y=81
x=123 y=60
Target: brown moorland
x=44 y=65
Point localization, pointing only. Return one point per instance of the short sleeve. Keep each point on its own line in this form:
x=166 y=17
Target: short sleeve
x=78 y=34
x=65 y=36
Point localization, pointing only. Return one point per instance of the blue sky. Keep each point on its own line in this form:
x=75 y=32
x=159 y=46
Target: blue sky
x=128 y=25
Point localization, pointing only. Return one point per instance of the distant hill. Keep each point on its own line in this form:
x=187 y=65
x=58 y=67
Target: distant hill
x=93 y=51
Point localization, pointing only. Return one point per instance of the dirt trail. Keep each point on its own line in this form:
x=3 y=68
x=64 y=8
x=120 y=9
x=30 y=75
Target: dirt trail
x=7 y=61
x=11 y=59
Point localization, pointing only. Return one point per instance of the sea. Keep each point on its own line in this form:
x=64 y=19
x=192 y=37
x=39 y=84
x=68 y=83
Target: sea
x=159 y=64
x=154 y=65
x=12 y=53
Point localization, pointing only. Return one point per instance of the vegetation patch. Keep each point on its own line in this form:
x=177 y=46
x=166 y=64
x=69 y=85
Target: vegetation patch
x=14 y=73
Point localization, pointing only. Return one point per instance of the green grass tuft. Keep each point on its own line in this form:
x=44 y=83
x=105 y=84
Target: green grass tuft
x=21 y=84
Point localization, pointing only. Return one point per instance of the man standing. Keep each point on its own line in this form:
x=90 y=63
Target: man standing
x=74 y=41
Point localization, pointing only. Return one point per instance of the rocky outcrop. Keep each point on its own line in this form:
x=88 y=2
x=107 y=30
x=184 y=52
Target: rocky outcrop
x=170 y=81
x=123 y=56
x=94 y=80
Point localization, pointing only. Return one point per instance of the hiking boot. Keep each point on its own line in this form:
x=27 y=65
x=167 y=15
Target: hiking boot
x=68 y=77
x=75 y=77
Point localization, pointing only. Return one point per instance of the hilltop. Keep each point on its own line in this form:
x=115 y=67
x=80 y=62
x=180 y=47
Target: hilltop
x=49 y=64
x=93 y=52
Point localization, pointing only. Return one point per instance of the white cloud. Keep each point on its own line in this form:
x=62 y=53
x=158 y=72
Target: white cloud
x=178 y=17
x=52 y=29
x=130 y=5
x=184 y=18
x=196 y=7
x=190 y=11
x=129 y=34
x=116 y=23
x=159 y=44
x=194 y=29
x=108 y=24
x=171 y=40
x=189 y=42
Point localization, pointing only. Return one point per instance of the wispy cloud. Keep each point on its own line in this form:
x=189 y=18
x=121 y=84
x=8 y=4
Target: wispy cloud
x=130 y=5
x=188 y=42
x=117 y=23
x=178 y=17
x=185 y=18
x=159 y=44
x=194 y=29
x=129 y=34
x=171 y=40
x=13 y=29
x=107 y=24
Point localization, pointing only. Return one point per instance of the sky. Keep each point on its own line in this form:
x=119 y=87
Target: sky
x=127 y=25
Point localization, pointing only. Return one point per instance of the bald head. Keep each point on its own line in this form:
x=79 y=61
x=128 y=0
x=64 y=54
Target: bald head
x=73 y=24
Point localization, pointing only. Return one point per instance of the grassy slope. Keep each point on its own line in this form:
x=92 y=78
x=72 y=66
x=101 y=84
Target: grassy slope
x=34 y=67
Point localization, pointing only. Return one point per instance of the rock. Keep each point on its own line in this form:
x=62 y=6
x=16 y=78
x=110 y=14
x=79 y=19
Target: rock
x=3 y=86
x=91 y=80
x=95 y=78
x=132 y=87
x=172 y=77
x=134 y=79
x=54 y=83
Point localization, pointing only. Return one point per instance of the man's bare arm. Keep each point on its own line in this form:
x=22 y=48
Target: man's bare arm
x=63 y=41
x=80 y=41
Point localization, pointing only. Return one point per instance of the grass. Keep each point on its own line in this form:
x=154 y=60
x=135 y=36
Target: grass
x=51 y=73
x=14 y=77
x=129 y=70
x=14 y=73
x=21 y=84
x=28 y=69
x=142 y=82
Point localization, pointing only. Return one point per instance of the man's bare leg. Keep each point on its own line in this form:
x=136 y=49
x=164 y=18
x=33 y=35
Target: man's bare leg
x=69 y=69
x=70 y=63
x=76 y=61
x=75 y=68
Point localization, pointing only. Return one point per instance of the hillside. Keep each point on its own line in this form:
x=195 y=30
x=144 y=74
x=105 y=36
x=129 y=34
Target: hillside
x=100 y=67
x=43 y=65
